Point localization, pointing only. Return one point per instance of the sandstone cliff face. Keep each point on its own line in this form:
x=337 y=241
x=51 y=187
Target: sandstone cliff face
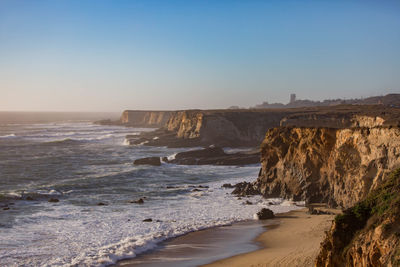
x=186 y=124
x=336 y=166
x=141 y=118
x=224 y=128
x=367 y=234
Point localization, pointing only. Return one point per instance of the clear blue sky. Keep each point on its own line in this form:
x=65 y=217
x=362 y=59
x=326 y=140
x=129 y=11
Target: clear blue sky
x=114 y=55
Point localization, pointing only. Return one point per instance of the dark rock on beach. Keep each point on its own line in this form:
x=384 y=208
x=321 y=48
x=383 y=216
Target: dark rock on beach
x=228 y=186
x=154 y=161
x=265 y=213
x=148 y=220
x=318 y=211
x=102 y=204
x=54 y=200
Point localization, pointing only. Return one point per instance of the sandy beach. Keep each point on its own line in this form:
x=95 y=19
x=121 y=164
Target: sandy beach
x=202 y=247
x=293 y=241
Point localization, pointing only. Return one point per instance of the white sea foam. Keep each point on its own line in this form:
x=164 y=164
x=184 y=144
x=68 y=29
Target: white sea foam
x=172 y=157
x=229 y=150
x=143 y=143
x=84 y=234
x=102 y=236
x=7 y=136
x=126 y=142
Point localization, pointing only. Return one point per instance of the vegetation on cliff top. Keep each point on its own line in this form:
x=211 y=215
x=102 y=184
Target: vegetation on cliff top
x=378 y=205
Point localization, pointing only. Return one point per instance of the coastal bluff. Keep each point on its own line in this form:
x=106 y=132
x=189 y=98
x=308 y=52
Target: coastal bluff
x=142 y=118
x=245 y=127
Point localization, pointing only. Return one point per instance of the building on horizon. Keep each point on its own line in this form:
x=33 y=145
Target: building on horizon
x=292 y=98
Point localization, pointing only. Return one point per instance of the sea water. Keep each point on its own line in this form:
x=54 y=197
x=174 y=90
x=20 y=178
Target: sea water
x=82 y=165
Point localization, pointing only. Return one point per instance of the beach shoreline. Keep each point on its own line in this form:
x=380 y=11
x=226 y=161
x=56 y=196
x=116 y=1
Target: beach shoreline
x=202 y=247
x=271 y=242
x=293 y=241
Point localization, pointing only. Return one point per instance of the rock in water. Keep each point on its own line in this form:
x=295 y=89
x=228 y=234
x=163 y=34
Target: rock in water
x=154 y=161
x=139 y=201
x=54 y=200
x=264 y=214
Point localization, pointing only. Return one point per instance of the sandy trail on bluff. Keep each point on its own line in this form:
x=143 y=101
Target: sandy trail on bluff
x=294 y=241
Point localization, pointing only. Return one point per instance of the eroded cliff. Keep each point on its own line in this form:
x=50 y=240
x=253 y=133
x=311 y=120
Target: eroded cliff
x=248 y=127
x=225 y=127
x=336 y=166
x=142 y=118
x=367 y=234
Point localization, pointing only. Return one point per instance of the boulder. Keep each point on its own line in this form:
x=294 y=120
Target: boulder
x=148 y=220
x=265 y=213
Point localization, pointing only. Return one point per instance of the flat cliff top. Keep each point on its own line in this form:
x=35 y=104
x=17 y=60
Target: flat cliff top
x=369 y=110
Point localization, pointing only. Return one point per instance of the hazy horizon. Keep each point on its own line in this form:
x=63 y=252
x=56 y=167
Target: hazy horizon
x=66 y=56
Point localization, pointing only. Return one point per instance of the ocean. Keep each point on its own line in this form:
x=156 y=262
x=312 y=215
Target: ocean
x=89 y=169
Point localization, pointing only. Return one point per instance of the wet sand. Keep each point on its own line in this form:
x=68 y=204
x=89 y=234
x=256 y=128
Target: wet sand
x=295 y=242
x=202 y=247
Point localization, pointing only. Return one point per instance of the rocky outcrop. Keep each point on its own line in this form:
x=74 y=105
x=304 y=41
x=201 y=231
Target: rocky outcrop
x=335 y=166
x=205 y=156
x=245 y=189
x=367 y=234
x=214 y=156
x=154 y=161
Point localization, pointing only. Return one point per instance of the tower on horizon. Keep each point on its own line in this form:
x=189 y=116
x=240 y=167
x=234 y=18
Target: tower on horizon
x=292 y=98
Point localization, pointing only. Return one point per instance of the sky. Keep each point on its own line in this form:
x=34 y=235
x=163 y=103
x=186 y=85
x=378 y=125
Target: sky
x=83 y=55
